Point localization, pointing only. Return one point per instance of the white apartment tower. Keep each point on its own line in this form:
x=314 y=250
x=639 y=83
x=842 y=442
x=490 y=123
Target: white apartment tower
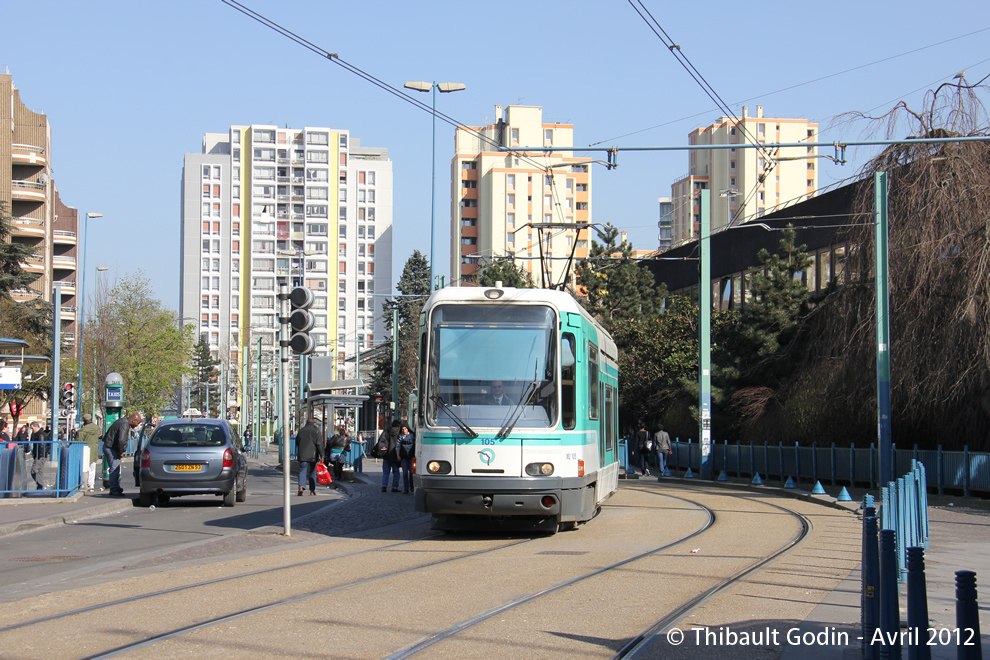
x=503 y=202
x=744 y=183
x=263 y=205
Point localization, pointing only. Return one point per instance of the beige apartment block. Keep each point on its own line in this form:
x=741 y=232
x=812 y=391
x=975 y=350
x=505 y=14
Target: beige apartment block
x=38 y=218
x=744 y=183
x=532 y=207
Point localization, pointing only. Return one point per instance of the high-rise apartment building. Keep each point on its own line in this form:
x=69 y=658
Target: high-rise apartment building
x=744 y=183
x=38 y=216
x=665 y=224
x=263 y=205
x=532 y=207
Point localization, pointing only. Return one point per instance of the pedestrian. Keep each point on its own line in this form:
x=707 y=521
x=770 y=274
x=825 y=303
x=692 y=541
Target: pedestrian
x=90 y=434
x=4 y=436
x=247 y=439
x=337 y=446
x=115 y=445
x=643 y=445
x=39 y=450
x=309 y=449
x=359 y=454
x=661 y=444
x=390 y=462
x=407 y=449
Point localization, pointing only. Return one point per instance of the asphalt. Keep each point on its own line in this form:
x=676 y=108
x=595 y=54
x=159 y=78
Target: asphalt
x=959 y=540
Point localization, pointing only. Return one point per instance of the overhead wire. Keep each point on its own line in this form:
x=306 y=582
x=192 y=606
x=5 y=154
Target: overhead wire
x=807 y=82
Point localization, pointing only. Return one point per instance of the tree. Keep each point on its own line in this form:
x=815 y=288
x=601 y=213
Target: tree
x=414 y=285
x=505 y=271
x=12 y=254
x=140 y=339
x=939 y=285
x=205 y=374
x=617 y=288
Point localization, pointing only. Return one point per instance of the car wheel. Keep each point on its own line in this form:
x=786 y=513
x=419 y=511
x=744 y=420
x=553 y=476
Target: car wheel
x=163 y=499
x=242 y=493
x=146 y=499
x=228 y=498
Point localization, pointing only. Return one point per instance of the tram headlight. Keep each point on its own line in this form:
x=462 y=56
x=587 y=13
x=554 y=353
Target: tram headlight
x=539 y=469
x=438 y=467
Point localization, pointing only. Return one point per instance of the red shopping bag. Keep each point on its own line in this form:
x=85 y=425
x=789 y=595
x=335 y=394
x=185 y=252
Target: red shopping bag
x=323 y=474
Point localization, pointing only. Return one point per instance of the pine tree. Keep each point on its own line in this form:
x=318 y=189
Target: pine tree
x=414 y=285
x=505 y=272
x=12 y=253
x=205 y=373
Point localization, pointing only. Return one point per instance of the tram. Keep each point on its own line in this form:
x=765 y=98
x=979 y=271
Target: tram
x=517 y=410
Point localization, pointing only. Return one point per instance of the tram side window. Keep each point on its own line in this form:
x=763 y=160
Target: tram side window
x=609 y=418
x=592 y=381
x=568 y=391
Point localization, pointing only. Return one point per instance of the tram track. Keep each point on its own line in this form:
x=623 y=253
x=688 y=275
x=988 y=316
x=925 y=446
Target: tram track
x=492 y=609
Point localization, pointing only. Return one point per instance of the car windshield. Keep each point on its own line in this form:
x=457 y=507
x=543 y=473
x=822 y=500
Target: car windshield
x=189 y=435
x=483 y=363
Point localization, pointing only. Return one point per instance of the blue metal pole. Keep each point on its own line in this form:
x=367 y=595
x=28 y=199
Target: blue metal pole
x=797 y=463
x=940 y=470
x=917 y=606
x=780 y=457
x=870 y=595
x=965 y=470
x=967 y=617
x=852 y=465
x=833 y=463
x=433 y=187
x=883 y=327
x=890 y=618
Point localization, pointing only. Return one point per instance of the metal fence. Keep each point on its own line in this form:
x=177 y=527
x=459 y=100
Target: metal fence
x=960 y=471
x=41 y=469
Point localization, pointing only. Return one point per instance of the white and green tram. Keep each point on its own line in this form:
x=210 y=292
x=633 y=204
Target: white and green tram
x=517 y=412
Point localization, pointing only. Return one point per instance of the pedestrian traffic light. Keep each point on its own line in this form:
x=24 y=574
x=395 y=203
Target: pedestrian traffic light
x=69 y=396
x=302 y=321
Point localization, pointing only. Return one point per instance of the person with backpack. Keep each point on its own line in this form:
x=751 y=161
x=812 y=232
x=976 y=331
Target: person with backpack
x=644 y=443
x=661 y=444
x=337 y=446
x=407 y=449
x=390 y=460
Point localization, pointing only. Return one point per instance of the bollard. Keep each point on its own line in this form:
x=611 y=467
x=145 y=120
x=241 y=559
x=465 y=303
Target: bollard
x=789 y=483
x=844 y=495
x=967 y=617
x=756 y=480
x=890 y=618
x=722 y=476
x=818 y=489
x=917 y=606
x=870 y=594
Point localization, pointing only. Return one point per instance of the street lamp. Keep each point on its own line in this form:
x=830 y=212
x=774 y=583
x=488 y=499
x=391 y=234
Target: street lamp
x=446 y=88
x=92 y=411
x=728 y=194
x=82 y=307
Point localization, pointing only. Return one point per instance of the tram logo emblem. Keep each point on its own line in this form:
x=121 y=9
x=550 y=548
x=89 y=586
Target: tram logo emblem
x=487 y=456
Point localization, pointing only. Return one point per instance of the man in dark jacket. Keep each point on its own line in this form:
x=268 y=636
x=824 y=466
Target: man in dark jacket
x=391 y=460
x=644 y=444
x=114 y=446
x=309 y=450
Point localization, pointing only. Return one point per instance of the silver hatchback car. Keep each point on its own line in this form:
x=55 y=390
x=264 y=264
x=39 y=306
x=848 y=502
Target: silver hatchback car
x=192 y=457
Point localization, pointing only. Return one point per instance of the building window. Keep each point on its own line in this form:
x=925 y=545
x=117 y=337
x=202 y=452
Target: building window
x=514 y=136
x=548 y=137
x=511 y=200
x=314 y=156
x=469 y=165
x=511 y=181
x=317 y=138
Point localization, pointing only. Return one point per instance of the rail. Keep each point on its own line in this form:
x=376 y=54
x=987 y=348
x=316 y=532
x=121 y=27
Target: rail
x=961 y=472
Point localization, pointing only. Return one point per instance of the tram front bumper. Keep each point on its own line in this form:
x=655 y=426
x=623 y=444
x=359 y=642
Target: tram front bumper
x=495 y=496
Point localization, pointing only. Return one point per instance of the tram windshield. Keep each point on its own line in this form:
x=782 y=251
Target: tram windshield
x=491 y=364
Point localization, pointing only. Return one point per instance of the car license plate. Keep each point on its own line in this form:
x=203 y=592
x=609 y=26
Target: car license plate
x=184 y=467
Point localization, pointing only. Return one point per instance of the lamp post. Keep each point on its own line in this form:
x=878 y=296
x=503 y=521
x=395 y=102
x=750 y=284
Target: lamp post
x=82 y=308
x=92 y=412
x=728 y=194
x=446 y=88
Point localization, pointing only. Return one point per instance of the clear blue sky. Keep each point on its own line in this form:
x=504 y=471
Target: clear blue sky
x=129 y=86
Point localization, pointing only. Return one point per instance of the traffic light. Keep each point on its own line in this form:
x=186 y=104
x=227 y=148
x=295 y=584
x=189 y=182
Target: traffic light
x=69 y=396
x=302 y=321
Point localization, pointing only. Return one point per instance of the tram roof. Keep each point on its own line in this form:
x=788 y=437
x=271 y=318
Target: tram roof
x=562 y=300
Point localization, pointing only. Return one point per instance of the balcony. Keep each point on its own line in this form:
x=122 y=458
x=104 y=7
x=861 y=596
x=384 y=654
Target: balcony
x=68 y=287
x=68 y=312
x=64 y=237
x=27 y=191
x=34 y=263
x=28 y=154
x=32 y=227
x=64 y=262
x=24 y=295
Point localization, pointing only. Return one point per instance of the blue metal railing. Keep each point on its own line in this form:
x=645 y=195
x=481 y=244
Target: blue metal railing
x=41 y=469
x=963 y=471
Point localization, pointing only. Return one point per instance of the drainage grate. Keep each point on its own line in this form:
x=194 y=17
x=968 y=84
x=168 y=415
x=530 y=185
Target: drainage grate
x=563 y=552
x=44 y=558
